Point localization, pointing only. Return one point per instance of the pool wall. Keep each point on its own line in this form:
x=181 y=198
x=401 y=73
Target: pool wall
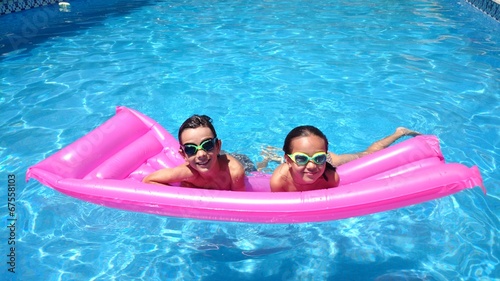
x=490 y=7
x=12 y=6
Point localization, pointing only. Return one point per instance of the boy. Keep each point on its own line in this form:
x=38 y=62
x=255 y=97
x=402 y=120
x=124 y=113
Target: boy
x=204 y=166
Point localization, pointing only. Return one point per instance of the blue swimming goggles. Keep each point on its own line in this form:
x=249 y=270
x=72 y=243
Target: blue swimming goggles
x=191 y=149
x=302 y=159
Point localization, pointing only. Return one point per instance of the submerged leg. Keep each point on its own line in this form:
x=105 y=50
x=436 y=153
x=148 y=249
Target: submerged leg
x=270 y=154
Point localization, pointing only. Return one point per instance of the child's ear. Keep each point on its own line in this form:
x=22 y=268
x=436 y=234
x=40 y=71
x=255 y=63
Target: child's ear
x=219 y=144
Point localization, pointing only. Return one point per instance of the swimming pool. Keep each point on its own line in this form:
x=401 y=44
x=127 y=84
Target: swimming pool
x=355 y=69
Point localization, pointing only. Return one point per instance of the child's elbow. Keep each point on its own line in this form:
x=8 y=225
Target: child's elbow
x=147 y=179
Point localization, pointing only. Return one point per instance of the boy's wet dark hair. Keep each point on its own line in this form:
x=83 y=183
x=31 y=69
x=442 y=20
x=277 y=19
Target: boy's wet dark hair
x=197 y=121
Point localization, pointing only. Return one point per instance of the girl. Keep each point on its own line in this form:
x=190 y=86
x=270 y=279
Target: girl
x=308 y=164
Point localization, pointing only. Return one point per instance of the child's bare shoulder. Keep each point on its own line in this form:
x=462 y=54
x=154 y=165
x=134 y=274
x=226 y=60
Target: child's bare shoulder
x=279 y=179
x=234 y=165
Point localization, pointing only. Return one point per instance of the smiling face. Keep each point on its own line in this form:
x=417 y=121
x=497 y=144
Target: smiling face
x=202 y=161
x=311 y=172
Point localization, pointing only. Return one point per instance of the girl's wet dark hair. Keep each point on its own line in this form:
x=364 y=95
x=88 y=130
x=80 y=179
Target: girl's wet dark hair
x=304 y=131
x=197 y=121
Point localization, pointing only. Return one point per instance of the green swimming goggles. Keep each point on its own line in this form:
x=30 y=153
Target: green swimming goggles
x=302 y=159
x=191 y=149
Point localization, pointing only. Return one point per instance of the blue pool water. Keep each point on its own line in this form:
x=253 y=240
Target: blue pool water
x=355 y=69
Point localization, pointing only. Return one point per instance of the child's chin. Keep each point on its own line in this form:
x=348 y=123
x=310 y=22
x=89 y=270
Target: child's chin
x=204 y=167
x=309 y=180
